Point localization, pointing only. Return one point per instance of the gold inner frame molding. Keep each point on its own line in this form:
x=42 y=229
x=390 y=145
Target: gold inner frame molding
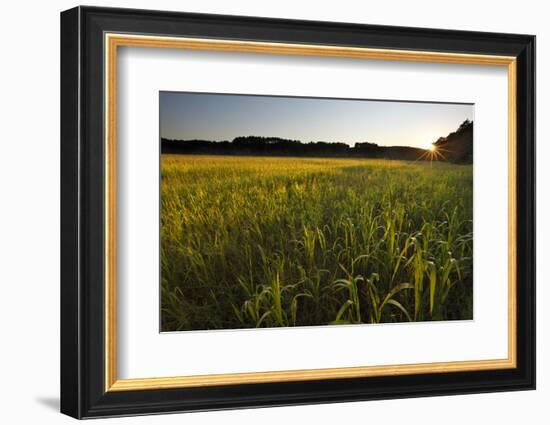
x=113 y=41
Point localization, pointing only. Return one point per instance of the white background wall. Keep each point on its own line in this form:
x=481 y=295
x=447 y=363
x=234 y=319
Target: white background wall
x=29 y=209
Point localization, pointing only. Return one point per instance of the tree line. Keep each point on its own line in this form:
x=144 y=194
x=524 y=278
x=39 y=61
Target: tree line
x=455 y=147
x=276 y=146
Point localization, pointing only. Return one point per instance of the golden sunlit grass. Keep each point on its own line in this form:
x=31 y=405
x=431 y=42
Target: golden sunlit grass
x=266 y=241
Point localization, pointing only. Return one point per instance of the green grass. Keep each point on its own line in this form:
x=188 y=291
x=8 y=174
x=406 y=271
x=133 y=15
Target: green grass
x=265 y=241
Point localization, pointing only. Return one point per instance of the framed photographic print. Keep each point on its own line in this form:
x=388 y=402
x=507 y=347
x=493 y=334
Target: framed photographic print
x=261 y=212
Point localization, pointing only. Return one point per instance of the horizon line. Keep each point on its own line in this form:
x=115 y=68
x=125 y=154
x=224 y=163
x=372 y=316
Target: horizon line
x=308 y=142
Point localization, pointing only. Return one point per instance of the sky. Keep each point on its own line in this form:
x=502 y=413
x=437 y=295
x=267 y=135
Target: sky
x=219 y=117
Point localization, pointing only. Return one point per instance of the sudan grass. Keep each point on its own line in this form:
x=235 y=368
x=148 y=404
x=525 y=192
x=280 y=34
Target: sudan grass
x=263 y=242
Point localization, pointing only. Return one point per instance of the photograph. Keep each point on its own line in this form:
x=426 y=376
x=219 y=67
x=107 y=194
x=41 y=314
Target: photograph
x=282 y=211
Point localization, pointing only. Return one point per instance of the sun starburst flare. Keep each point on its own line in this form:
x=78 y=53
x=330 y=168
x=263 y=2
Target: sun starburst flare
x=433 y=153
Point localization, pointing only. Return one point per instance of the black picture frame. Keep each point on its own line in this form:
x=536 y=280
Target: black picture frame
x=83 y=392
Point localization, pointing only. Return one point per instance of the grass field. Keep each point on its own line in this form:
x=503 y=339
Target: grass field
x=267 y=241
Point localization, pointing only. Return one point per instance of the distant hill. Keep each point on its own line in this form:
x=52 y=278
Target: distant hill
x=456 y=147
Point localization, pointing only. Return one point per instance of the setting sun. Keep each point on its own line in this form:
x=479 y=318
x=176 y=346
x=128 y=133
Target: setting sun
x=432 y=148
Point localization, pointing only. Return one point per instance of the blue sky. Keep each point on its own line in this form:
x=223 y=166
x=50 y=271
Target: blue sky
x=224 y=117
